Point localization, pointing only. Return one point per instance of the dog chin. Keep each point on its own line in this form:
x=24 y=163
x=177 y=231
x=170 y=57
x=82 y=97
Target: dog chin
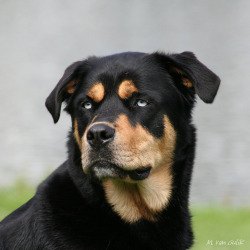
x=105 y=170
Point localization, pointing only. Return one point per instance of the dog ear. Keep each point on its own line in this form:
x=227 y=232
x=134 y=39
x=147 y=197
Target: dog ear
x=193 y=74
x=64 y=88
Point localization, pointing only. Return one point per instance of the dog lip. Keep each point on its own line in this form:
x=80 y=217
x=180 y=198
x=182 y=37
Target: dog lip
x=140 y=173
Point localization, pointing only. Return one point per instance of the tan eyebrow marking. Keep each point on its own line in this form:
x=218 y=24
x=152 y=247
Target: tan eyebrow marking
x=97 y=92
x=126 y=89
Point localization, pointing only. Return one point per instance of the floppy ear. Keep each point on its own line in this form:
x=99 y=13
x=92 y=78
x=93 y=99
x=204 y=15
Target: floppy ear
x=194 y=74
x=64 y=88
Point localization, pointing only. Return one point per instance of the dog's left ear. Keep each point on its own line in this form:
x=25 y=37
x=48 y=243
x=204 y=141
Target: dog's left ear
x=193 y=74
x=64 y=88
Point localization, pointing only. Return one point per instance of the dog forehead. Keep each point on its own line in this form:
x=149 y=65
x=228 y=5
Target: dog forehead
x=129 y=71
x=123 y=75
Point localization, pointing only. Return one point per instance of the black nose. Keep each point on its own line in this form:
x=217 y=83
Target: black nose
x=100 y=134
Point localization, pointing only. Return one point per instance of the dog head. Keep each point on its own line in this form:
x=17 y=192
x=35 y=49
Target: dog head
x=128 y=111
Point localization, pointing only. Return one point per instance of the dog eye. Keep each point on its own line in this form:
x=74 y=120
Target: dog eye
x=141 y=103
x=87 y=105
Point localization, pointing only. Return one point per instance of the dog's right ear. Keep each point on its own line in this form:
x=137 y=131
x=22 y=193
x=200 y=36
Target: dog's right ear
x=64 y=88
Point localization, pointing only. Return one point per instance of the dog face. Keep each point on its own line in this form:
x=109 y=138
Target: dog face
x=126 y=134
x=129 y=112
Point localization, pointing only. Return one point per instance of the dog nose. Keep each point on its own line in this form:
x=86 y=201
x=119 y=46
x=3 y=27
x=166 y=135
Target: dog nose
x=100 y=134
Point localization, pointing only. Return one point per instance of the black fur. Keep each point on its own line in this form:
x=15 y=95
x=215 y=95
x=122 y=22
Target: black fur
x=69 y=209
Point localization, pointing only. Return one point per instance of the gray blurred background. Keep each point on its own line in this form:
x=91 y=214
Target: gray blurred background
x=39 y=39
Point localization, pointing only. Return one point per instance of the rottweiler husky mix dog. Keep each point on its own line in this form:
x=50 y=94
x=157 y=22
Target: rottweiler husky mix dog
x=125 y=184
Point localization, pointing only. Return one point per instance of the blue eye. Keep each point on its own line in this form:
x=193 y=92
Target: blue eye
x=141 y=103
x=87 y=105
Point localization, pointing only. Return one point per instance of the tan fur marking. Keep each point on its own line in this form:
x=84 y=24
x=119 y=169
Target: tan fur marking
x=157 y=188
x=185 y=81
x=70 y=88
x=126 y=89
x=126 y=200
x=97 y=92
x=76 y=134
x=135 y=147
x=178 y=71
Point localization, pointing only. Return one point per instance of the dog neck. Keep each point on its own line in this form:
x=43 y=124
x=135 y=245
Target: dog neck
x=140 y=200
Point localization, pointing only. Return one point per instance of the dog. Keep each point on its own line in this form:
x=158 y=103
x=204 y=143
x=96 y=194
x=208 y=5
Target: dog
x=125 y=184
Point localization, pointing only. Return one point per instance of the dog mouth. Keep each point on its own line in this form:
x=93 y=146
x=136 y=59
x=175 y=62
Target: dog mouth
x=105 y=170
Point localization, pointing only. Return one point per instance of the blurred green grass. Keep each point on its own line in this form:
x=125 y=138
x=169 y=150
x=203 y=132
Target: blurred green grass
x=14 y=196
x=215 y=227
x=221 y=228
